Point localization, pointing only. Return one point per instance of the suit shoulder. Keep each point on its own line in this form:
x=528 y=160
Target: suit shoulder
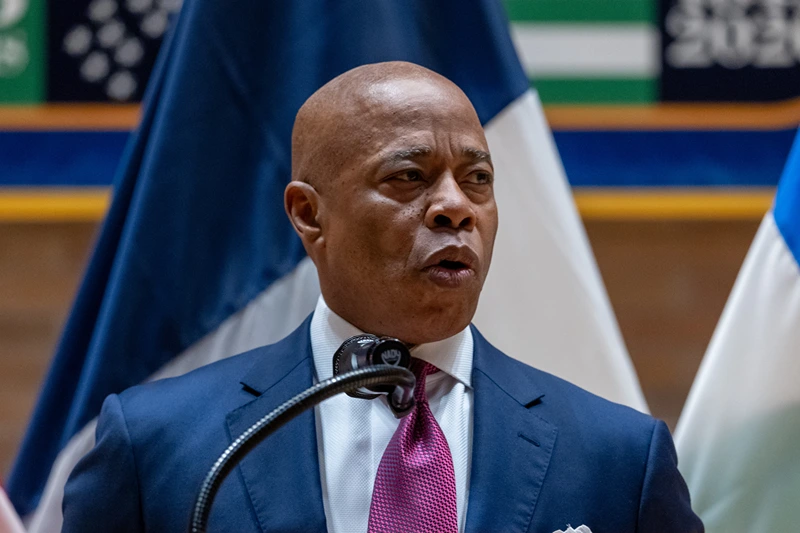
x=595 y=433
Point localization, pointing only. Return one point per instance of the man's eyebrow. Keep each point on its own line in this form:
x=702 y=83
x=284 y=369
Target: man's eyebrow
x=410 y=153
x=478 y=156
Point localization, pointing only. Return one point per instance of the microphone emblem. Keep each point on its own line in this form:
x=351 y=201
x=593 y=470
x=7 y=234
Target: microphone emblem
x=391 y=356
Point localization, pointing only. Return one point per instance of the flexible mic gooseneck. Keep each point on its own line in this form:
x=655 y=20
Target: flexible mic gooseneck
x=401 y=399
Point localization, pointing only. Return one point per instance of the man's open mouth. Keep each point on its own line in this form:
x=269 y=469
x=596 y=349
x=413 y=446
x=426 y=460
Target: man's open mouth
x=452 y=265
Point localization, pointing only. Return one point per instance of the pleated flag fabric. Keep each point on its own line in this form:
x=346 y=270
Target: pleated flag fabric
x=197 y=261
x=738 y=435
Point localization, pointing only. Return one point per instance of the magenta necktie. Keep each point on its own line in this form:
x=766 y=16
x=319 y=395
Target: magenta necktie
x=415 y=487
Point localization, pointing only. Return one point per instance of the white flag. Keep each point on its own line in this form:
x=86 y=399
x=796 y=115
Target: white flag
x=738 y=438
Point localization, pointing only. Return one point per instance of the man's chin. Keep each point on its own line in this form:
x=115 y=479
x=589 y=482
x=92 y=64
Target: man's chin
x=432 y=326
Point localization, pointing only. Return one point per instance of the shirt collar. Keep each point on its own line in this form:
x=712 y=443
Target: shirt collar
x=452 y=356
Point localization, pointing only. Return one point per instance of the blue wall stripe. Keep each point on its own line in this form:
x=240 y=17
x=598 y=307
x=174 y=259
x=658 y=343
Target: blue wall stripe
x=591 y=158
x=674 y=158
x=60 y=158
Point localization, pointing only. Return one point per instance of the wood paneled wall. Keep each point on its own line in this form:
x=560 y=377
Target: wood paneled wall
x=40 y=268
x=668 y=282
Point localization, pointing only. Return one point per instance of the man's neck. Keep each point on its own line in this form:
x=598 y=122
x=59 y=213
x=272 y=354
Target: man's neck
x=452 y=355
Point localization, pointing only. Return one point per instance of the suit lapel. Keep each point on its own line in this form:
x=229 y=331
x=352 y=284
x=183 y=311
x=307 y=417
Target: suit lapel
x=511 y=445
x=281 y=473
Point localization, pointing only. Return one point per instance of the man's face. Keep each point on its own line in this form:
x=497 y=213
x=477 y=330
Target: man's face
x=409 y=222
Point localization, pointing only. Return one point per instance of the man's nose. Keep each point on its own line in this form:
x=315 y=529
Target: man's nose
x=449 y=207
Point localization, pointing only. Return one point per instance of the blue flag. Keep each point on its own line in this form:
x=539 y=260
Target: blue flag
x=787 y=201
x=197 y=260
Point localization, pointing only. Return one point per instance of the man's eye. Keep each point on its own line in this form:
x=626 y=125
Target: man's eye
x=409 y=175
x=480 y=178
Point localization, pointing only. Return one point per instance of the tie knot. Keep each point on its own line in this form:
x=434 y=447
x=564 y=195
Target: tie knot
x=421 y=370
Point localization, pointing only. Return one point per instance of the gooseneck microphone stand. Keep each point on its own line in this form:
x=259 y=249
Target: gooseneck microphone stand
x=401 y=401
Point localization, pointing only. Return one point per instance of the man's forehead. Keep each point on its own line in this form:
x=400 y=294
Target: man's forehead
x=402 y=98
x=422 y=127
x=414 y=112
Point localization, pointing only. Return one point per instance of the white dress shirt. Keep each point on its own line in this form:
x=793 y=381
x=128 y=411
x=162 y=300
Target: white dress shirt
x=352 y=434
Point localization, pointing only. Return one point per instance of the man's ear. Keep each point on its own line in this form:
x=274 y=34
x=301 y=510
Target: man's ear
x=301 y=202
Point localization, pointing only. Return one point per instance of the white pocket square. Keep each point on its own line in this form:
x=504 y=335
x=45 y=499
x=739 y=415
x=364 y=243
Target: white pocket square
x=580 y=529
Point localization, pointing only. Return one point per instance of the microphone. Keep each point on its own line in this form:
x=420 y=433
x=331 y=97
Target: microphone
x=365 y=350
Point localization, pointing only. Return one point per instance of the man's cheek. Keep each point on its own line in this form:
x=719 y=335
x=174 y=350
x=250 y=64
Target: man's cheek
x=390 y=239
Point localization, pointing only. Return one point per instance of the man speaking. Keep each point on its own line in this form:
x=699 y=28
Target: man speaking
x=392 y=197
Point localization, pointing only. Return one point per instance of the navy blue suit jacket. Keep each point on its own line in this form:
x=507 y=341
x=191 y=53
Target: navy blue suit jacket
x=545 y=454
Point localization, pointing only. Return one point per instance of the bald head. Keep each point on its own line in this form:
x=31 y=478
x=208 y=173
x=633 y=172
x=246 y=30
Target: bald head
x=344 y=113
